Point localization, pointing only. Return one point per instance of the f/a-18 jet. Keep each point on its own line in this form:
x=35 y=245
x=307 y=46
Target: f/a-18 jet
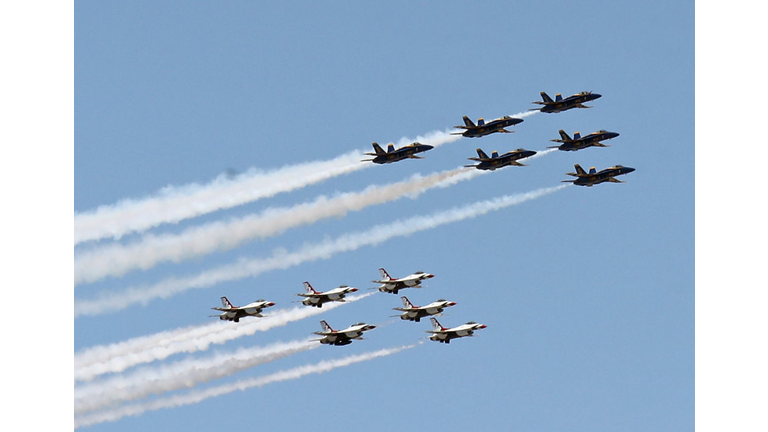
x=496 y=161
x=559 y=104
x=482 y=128
x=392 y=285
x=596 y=177
x=416 y=313
x=234 y=313
x=391 y=155
x=579 y=142
x=316 y=298
x=342 y=337
x=444 y=335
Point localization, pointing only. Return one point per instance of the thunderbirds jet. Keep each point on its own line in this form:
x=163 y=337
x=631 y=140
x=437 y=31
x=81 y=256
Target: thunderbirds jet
x=444 y=335
x=482 y=128
x=342 y=337
x=392 y=155
x=416 y=313
x=232 y=313
x=316 y=299
x=560 y=104
x=592 y=178
x=496 y=161
x=579 y=142
x=391 y=285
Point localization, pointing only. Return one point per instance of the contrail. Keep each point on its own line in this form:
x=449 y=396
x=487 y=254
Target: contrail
x=201 y=395
x=281 y=259
x=117 y=259
x=120 y=356
x=181 y=374
x=176 y=203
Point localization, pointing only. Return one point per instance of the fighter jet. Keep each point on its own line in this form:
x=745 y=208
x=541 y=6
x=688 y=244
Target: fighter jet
x=316 y=299
x=233 y=313
x=592 y=178
x=391 y=155
x=560 y=104
x=482 y=128
x=342 y=337
x=496 y=161
x=416 y=313
x=444 y=335
x=579 y=142
x=391 y=285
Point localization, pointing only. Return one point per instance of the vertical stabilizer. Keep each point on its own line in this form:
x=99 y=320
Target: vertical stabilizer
x=558 y=97
x=308 y=288
x=436 y=324
x=468 y=123
x=225 y=303
x=326 y=328
x=580 y=170
x=592 y=170
x=384 y=274
x=481 y=154
x=564 y=136
x=377 y=148
x=406 y=303
x=577 y=135
x=390 y=148
x=494 y=154
x=545 y=97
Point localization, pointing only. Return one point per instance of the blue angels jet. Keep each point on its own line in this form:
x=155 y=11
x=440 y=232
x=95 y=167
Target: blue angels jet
x=482 y=128
x=592 y=177
x=560 y=104
x=579 y=142
x=392 y=155
x=496 y=161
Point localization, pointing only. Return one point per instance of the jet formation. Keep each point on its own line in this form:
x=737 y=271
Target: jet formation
x=391 y=155
x=579 y=142
x=559 y=104
x=496 y=161
x=481 y=129
x=593 y=177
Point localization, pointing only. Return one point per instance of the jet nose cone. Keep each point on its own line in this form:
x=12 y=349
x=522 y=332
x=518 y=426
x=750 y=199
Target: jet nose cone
x=452 y=304
x=482 y=326
x=612 y=134
x=352 y=289
x=427 y=147
x=270 y=304
x=596 y=95
x=430 y=276
x=628 y=169
x=371 y=327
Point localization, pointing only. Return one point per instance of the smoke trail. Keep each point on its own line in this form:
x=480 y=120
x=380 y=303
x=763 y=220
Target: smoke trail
x=201 y=395
x=117 y=259
x=120 y=356
x=182 y=374
x=176 y=203
x=282 y=260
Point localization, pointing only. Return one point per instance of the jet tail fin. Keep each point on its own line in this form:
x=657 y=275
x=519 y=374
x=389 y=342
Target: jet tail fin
x=406 y=303
x=436 y=324
x=225 y=303
x=592 y=170
x=580 y=170
x=545 y=97
x=377 y=148
x=384 y=274
x=481 y=154
x=577 y=135
x=324 y=325
x=468 y=123
x=564 y=136
x=558 y=97
x=390 y=148
x=308 y=288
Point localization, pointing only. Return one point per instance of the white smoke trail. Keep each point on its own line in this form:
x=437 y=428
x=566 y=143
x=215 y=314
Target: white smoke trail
x=176 y=203
x=120 y=356
x=117 y=259
x=182 y=374
x=282 y=260
x=201 y=395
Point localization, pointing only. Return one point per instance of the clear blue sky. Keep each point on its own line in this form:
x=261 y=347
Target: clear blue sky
x=588 y=293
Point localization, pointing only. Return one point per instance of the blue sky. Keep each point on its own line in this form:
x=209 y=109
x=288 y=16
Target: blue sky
x=588 y=293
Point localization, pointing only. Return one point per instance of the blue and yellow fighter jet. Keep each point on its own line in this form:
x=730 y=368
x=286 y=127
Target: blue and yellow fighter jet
x=496 y=161
x=579 y=142
x=592 y=178
x=560 y=104
x=482 y=128
x=391 y=155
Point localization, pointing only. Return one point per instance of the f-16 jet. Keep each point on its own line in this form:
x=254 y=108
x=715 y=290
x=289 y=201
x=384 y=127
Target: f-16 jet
x=579 y=142
x=342 y=337
x=560 y=104
x=482 y=128
x=234 y=313
x=592 y=177
x=444 y=335
x=391 y=155
x=416 y=313
x=496 y=161
x=316 y=298
x=392 y=285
